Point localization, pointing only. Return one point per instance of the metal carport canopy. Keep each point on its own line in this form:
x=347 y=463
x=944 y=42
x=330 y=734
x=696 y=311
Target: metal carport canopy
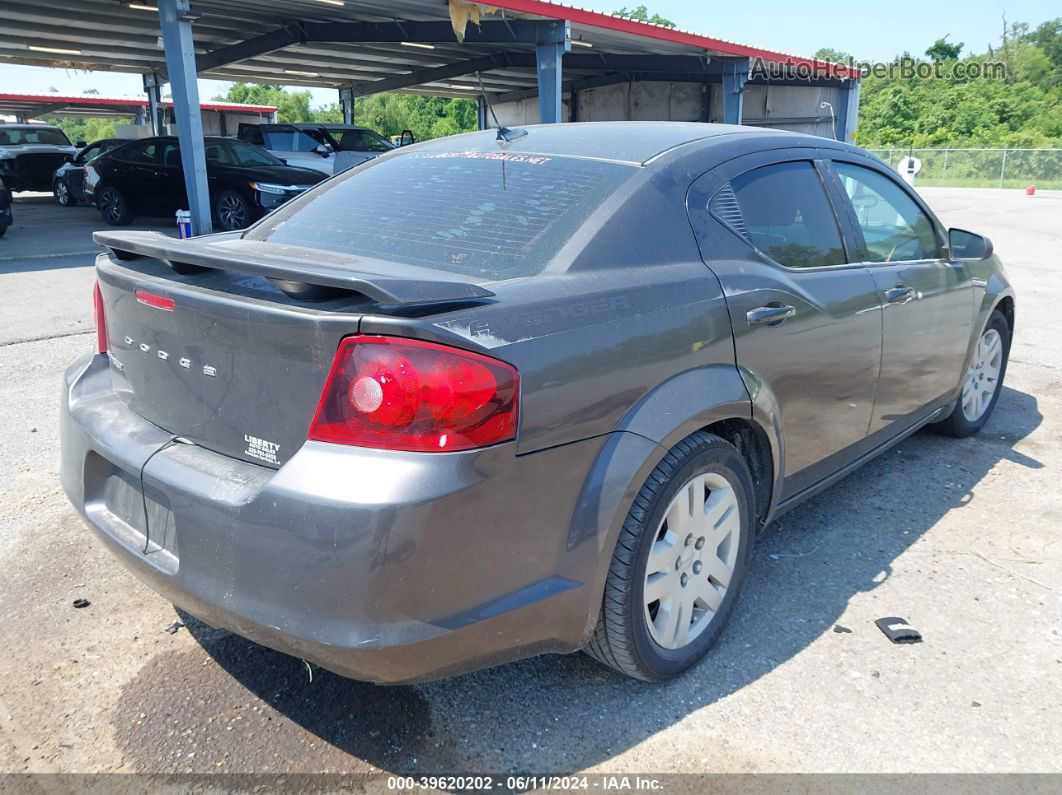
x=362 y=47
x=124 y=37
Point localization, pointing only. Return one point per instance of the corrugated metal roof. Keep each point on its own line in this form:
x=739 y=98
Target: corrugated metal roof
x=109 y=35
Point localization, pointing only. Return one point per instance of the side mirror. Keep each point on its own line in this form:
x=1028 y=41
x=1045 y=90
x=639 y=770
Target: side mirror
x=282 y=160
x=68 y=158
x=968 y=245
x=322 y=150
x=81 y=144
x=407 y=138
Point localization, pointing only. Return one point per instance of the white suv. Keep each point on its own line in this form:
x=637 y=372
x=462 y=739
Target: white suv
x=328 y=148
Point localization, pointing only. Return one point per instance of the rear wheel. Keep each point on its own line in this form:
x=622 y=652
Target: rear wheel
x=232 y=210
x=114 y=207
x=62 y=194
x=680 y=561
x=983 y=380
x=3 y=229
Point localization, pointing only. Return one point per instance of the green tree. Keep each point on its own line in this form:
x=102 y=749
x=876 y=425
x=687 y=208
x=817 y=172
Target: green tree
x=641 y=14
x=86 y=129
x=1022 y=108
x=292 y=106
x=832 y=55
x=941 y=50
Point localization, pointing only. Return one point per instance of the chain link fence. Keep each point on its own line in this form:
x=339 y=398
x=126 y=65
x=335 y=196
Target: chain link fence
x=982 y=168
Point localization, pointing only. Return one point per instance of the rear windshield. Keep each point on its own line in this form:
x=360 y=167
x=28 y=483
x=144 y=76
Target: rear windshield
x=16 y=136
x=492 y=215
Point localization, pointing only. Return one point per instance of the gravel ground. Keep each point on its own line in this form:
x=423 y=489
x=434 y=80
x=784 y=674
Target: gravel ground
x=959 y=537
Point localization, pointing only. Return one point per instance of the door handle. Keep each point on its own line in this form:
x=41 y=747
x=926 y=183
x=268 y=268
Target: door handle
x=769 y=315
x=900 y=294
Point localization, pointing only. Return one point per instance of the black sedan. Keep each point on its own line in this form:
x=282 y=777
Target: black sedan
x=68 y=184
x=145 y=178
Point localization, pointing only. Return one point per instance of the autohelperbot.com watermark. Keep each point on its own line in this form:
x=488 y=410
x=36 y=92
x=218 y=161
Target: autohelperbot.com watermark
x=903 y=68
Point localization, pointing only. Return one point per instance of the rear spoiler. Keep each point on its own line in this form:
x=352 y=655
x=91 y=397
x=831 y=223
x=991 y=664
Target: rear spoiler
x=299 y=272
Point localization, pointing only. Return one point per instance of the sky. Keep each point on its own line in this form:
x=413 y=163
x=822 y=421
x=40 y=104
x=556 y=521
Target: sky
x=869 y=31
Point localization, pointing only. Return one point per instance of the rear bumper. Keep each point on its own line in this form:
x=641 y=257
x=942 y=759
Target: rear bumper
x=387 y=567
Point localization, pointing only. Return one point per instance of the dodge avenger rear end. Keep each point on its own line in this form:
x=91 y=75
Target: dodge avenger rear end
x=481 y=399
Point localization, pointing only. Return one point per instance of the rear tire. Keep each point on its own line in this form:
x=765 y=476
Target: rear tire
x=232 y=211
x=3 y=229
x=63 y=196
x=114 y=207
x=982 y=382
x=687 y=540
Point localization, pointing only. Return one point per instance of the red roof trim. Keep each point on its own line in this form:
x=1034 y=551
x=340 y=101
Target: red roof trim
x=90 y=99
x=596 y=19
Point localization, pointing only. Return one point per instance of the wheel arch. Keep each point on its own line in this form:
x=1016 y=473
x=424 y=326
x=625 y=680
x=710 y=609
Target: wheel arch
x=713 y=399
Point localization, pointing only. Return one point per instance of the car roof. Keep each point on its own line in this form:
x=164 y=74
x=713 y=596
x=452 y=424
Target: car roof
x=635 y=142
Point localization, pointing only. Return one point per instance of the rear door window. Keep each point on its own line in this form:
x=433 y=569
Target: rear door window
x=783 y=210
x=894 y=227
x=491 y=214
x=289 y=140
x=359 y=141
x=137 y=153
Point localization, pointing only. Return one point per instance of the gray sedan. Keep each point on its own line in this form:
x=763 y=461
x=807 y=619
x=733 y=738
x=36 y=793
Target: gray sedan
x=482 y=399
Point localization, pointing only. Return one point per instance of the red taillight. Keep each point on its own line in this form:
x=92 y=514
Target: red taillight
x=101 y=319
x=156 y=301
x=402 y=394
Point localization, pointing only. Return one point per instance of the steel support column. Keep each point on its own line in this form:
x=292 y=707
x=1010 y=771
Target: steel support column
x=554 y=39
x=735 y=73
x=153 y=88
x=175 y=18
x=847 y=112
x=346 y=102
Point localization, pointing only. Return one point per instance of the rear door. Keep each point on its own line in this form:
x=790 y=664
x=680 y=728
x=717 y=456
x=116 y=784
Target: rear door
x=926 y=299
x=296 y=147
x=355 y=146
x=806 y=320
x=133 y=170
x=168 y=179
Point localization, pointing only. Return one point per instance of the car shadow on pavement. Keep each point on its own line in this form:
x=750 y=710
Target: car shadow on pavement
x=565 y=713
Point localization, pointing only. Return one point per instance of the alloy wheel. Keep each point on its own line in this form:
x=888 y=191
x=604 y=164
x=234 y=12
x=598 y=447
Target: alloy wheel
x=111 y=206
x=982 y=377
x=232 y=211
x=692 y=560
x=62 y=193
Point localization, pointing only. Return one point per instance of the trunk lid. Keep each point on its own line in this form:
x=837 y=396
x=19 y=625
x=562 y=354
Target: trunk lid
x=231 y=341
x=235 y=366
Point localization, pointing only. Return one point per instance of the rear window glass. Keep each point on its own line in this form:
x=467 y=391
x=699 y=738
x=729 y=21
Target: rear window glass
x=493 y=215
x=20 y=136
x=290 y=140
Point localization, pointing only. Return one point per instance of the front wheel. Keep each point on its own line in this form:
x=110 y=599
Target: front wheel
x=63 y=195
x=679 y=563
x=983 y=380
x=232 y=210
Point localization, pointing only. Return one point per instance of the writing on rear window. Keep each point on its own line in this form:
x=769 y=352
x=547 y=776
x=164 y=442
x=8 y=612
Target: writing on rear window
x=490 y=214
x=535 y=160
